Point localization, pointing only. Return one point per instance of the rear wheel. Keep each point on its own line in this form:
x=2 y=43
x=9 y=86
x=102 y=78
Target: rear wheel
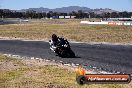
x=68 y=54
x=72 y=54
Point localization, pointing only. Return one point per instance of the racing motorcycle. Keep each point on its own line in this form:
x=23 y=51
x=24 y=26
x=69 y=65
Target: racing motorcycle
x=62 y=48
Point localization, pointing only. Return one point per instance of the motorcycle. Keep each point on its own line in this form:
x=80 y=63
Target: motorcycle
x=62 y=48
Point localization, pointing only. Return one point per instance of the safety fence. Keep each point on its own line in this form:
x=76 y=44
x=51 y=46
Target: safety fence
x=107 y=23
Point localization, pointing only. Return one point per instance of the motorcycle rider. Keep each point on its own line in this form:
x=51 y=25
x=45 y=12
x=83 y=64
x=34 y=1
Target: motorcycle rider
x=53 y=42
x=60 y=46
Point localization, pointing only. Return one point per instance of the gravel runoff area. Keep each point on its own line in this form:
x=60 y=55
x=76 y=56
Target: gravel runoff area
x=42 y=62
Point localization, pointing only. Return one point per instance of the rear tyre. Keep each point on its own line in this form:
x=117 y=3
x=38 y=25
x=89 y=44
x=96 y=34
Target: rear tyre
x=72 y=54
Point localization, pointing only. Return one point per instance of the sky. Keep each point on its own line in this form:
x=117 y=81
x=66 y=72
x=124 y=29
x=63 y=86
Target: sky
x=119 y=5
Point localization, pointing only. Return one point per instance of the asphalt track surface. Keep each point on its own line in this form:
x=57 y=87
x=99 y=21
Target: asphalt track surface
x=107 y=57
x=10 y=21
x=4 y=22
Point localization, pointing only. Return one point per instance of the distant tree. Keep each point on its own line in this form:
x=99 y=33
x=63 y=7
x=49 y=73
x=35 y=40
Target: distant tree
x=17 y=14
x=39 y=15
x=107 y=15
x=130 y=14
x=97 y=16
x=1 y=10
x=114 y=15
x=73 y=13
x=1 y=13
x=63 y=14
x=85 y=15
x=43 y=14
x=92 y=15
x=30 y=14
x=49 y=14
x=125 y=14
x=120 y=14
x=7 y=13
x=80 y=14
x=55 y=14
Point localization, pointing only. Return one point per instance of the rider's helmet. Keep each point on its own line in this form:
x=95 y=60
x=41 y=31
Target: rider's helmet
x=54 y=37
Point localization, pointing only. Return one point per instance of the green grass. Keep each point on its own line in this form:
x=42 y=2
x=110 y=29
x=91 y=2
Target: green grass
x=70 y=29
x=6 y=76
